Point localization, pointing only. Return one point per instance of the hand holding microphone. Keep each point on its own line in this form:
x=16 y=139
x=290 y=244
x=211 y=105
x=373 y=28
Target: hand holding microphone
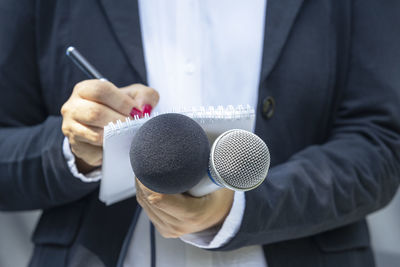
x=168 y=144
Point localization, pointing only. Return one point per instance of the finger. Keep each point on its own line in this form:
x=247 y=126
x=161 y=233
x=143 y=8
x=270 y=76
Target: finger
x=106 y=93
x=141 y=94
x=95 y=114
x=165 y=228
x=158 y=223
x=84 y=133
x=92 y=135
x=147 y=207
x=170 y=203
x=143 y=189
x=152 y=202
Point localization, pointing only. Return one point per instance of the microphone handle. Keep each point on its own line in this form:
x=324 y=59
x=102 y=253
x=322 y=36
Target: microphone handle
x=204 y=187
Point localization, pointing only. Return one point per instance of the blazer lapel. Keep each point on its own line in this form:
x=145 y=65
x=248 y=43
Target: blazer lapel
x=123 y=16
x=280 y=16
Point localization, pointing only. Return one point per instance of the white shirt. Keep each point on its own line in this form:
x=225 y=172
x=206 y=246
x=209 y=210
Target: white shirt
x=198 y=52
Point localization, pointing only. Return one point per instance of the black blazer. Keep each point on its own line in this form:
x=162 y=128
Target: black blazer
x=328 y=107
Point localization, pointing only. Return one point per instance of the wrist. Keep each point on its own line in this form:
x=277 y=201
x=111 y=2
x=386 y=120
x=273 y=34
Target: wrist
x=83 y=167
x=217 y=237
x=224 y=198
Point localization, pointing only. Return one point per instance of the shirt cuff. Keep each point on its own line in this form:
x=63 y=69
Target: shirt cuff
x=93 y=176
x=214 y=238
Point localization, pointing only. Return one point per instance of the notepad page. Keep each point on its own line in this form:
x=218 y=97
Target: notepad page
x=118 y=179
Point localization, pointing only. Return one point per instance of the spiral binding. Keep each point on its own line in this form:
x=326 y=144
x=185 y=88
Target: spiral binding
x=201 y=114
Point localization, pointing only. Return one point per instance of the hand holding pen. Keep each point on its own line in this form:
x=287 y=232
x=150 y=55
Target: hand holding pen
x=92 y=105
x=90 y=71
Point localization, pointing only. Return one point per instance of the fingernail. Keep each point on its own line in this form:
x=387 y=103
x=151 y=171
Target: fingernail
x=136 y=112
x=147 y=109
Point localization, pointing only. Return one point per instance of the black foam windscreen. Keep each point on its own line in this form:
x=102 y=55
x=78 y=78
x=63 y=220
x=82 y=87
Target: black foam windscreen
x=169 y=153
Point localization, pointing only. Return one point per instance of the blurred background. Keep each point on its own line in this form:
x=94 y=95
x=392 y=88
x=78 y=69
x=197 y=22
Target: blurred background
x=385 y=234
x=16 y=229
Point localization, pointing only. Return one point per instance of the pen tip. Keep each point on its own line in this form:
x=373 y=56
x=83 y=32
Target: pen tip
x=69 y=50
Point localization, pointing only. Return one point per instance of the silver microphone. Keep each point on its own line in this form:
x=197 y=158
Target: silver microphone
x=239 y=160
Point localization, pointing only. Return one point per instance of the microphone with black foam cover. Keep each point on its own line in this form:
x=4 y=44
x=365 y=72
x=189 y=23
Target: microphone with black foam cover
x=170 y=154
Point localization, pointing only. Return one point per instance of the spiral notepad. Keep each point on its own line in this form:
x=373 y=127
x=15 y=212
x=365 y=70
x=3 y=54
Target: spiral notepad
x=118 y=180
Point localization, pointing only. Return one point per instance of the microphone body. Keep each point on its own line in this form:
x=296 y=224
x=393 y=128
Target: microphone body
x=204 y=187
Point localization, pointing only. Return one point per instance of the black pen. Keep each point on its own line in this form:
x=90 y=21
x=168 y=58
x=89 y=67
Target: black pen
x=82 y=63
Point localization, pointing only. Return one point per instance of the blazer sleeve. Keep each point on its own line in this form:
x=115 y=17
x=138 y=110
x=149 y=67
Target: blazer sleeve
x=33 y=171
x=357 y=170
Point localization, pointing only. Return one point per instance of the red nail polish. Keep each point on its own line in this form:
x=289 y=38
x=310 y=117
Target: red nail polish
x=136 y=112
x=147 y=109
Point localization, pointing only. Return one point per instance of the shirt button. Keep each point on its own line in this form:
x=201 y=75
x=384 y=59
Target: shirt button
x=189 y=68
x=268 y=107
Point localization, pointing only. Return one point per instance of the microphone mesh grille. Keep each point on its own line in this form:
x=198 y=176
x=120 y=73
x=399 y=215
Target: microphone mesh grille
x=241 y=160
